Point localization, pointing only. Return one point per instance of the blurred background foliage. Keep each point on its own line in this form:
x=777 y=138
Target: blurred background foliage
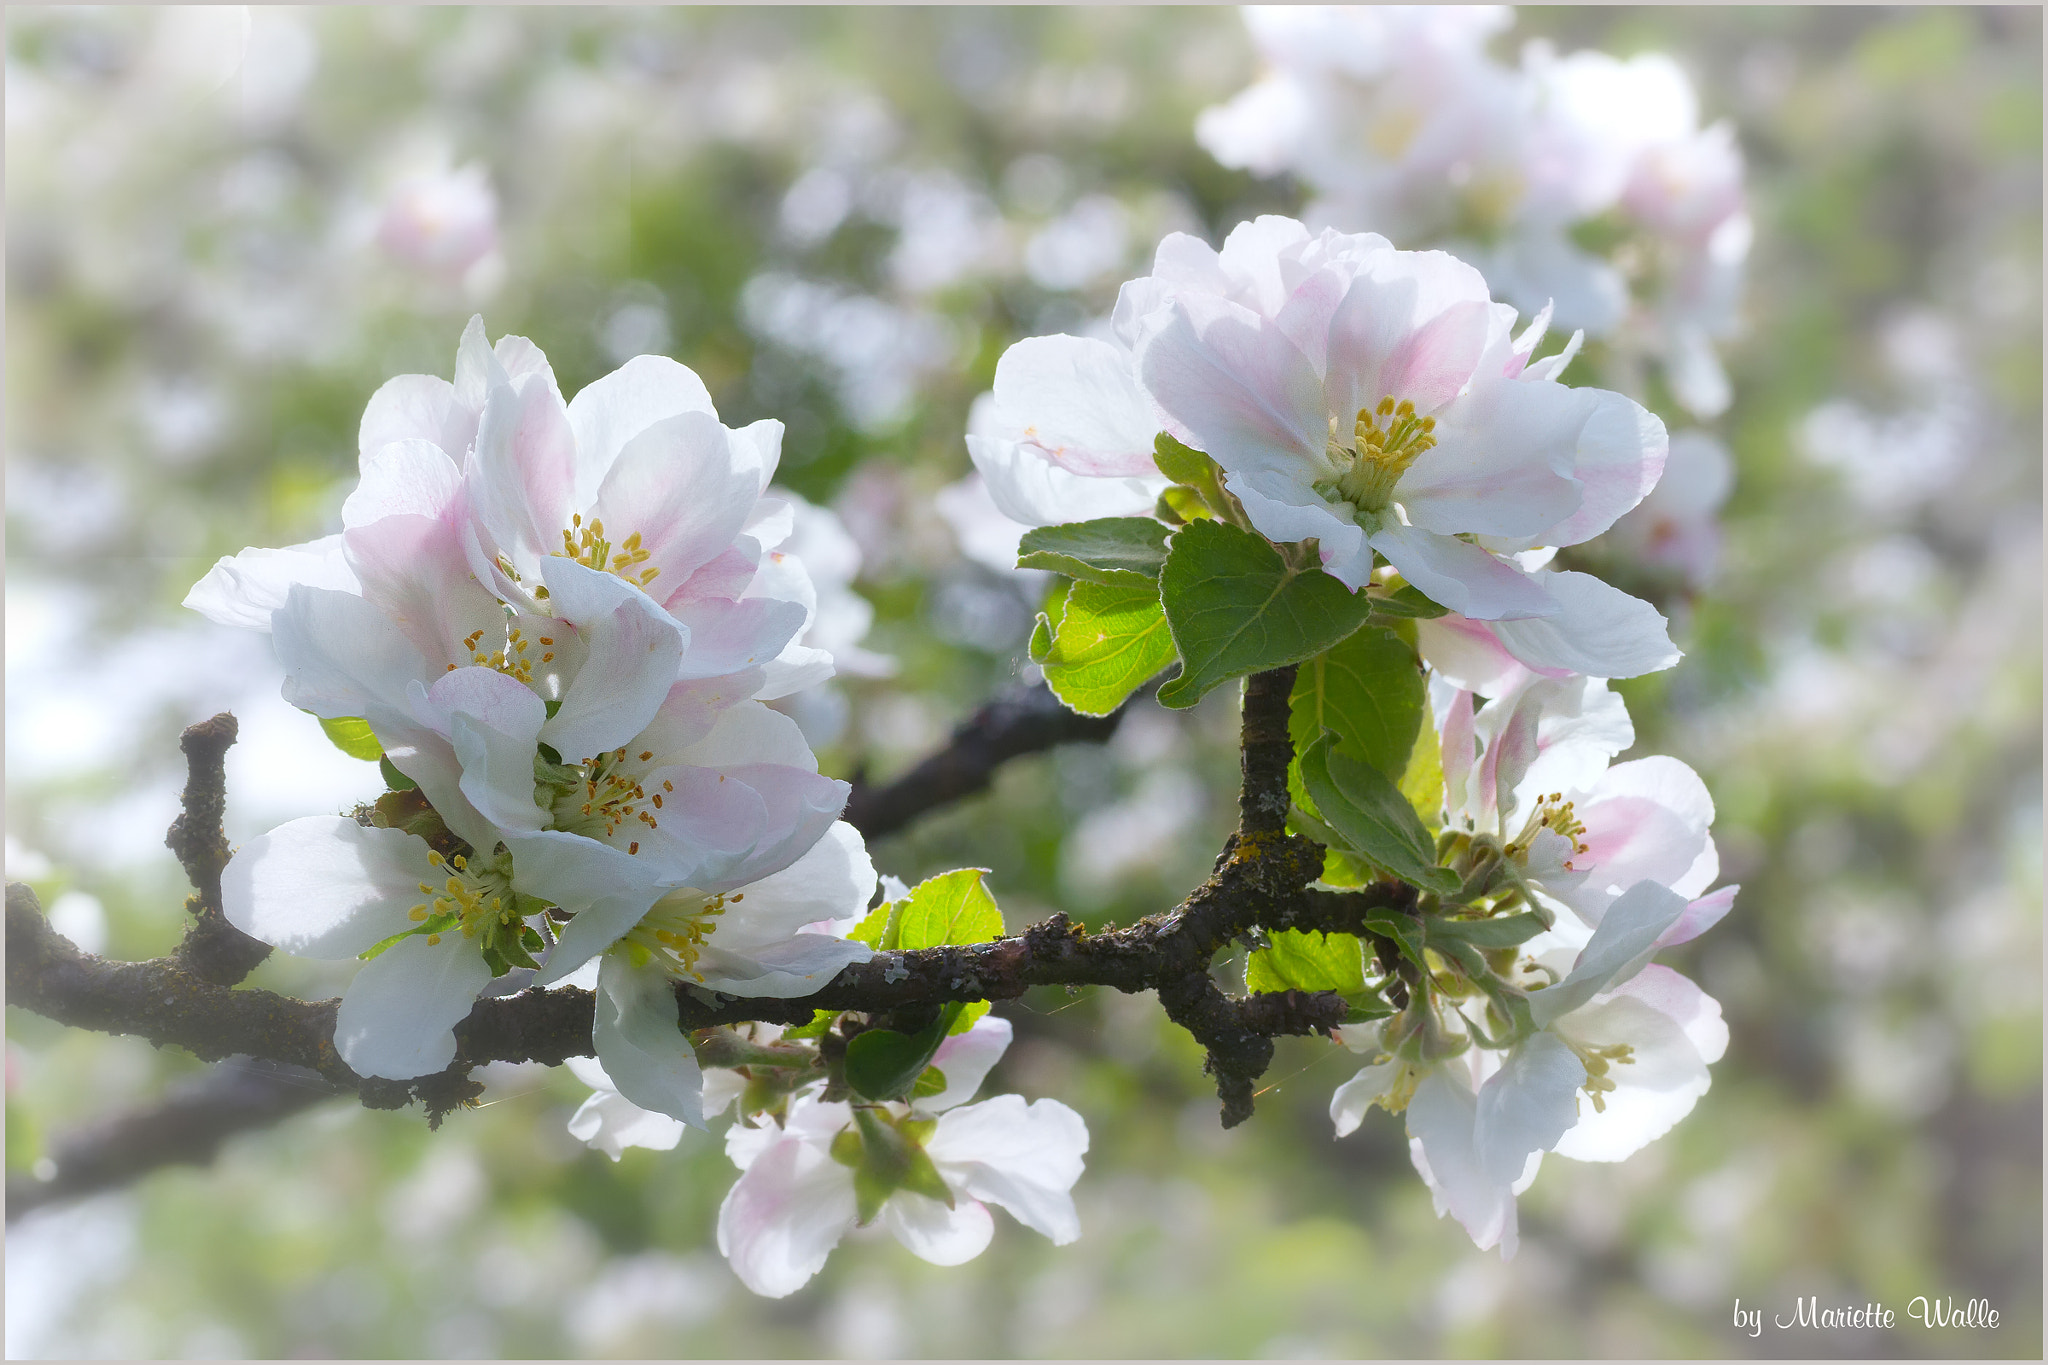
x=840 y=218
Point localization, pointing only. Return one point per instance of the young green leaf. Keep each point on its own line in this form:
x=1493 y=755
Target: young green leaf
x=1363 y=805
x=1235 y=607
x=1368 y=688
x=884 y=1064
x=1110 y=641
x=1505 y=932
x=1297 y=959
x=1422 y=781
x=1114 y=550
x=953 y=907
x=1404 y=931
x=1408 y=602
x=351 y=735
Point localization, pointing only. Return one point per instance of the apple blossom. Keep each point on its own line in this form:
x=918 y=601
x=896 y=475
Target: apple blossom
x=1376 y=401
x=923 y=1170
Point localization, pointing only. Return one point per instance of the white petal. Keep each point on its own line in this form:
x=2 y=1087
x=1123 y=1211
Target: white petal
x=794 y=967
x=415 y=407
x=1355 y=1096
x=833 y=880
x=1024 y=1158
x=1597 y=629
x=398 y=1017
x=1527 y=1105
x=1233 y=385
x=936 y=1233
x=1078 y=400
x=244 y=589
x=326 y=887
x=403 y=478
x=343 y=657
x=965 y=1059
x=642 y=1045
x=1441 y=1117
x=611 y=411
x=1460 y=575
x=1657 y=1086
x=635 y=648
x=1029 y=488
x=726 y=637
x=1286 y=512
x=611 y=1123
x=1621 y=452
x=1620 y=946
x=1469 y=655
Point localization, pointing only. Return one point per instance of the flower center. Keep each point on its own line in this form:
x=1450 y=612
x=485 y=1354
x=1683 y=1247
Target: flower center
x=587 y=545
x=1555 y=814
x=1378 y=456
x=1597 y=1059
x=602 y=795
x=475 y=898
x=672 y=933
x=514 y=659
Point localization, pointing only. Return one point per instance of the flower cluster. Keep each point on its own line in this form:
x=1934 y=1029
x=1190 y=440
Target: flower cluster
x=556 y=623
x=1396 y=116
x=1368 y=469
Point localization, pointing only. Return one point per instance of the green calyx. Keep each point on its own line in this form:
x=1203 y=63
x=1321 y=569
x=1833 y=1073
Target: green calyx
x=887 y=1154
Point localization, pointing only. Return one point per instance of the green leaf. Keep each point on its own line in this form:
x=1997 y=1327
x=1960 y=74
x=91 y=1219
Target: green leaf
x=351 y=735
x=1369 y=689
x=1235 y=607
x=1406 y=933
x=1108 y=550
x=1363 y=805
x=1041 y=639
x=1422 y=781
x=883 y=1064
x=1505 y=932
x=952 y=908
x=1111 y=639
x=931 y=1081
x=1407 y=601
x=393 y=778
x=821 y=1020
x=1182 y=464
x=1302 y=960
x=874 y=929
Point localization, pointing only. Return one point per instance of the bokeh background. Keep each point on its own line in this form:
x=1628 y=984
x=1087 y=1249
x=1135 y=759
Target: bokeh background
x=224 y=232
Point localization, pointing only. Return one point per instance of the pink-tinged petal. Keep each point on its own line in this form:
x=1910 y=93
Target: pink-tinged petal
x=1078 y=400
x=1230 y=383
x=1620 y=456
x=343 y=657
x=1645 y=820
x=243 y=590
x=1676 y=998
x=576 y=873
x=522 y=473
x=477 y=369
x=677 y=487
x=753 y=734
x=935 y=1233
x=397 y=1018
x=965 y=1058
x=1029 y=488
x=1441 y=1119
x=725 y=829
x=1597 y=629
x=692 y=710
x=1457 y=750
x=1024 y=1158
x=1136 y=301
x=726 y=574
x=416 y=407
x=497 y=752
x=1700 y=916
x=613 y=410
x=635 y=649
x=1620 y=947
x=1526 y=1106
x=1186 y=263
x=1414 y=318
x=1460 y=575
x=1551 y=366
x=726 y=637
x=784 y=1215
x=641 y=1043
x=1468 y=655
x=403 y=478
x=325 y=887
x=415 y=570
x=1663 y=1078
x=1500 y=465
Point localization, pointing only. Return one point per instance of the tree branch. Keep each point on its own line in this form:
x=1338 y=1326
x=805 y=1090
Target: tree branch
x=213 y=949
x=186 y=1128
x=1024 y=720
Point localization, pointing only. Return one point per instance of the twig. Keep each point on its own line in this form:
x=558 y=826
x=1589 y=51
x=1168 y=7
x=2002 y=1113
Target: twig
x=213 y=949
x=1026 y=720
